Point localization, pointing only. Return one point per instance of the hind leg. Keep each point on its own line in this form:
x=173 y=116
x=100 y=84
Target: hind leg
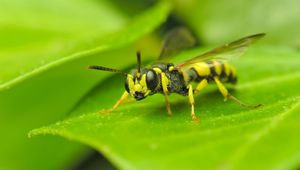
x=227 y=95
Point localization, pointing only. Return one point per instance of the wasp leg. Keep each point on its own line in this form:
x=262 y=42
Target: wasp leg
x=168 y=105
x=121 y=100
x=203 y=83
x=226 y=94
x=192 y=102
x=164 y=81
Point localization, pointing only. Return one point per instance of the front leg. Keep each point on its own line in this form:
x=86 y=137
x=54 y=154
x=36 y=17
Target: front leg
x=121 y=100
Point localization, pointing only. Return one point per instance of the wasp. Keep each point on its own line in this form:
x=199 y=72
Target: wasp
x=165 y=77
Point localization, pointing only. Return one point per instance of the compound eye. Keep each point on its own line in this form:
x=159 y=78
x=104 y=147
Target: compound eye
x=127 y=86
x=151 y=80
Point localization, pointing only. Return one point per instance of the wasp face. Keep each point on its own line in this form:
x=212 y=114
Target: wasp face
x=139 y=85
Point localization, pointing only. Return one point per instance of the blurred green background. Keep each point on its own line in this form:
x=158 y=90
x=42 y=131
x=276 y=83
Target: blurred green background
x=45 y=46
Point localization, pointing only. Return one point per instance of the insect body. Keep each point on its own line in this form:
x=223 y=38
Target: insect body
x=166 y=78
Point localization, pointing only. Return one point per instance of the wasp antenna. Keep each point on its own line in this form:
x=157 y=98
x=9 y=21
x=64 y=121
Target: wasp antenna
x=257 y=36
x=106 y=69
x=138 y=56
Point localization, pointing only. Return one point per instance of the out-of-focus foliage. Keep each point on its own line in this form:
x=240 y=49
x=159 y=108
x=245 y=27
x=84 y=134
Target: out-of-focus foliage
x=38 y=34
x=218 y=21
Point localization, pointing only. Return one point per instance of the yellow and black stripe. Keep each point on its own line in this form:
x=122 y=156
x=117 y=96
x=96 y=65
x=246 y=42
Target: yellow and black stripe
x=211 y=69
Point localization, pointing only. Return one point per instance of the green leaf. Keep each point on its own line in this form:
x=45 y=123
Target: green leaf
x=140 y=135
x=49 y=96
x=216 y=21
x=38 y=35
x=44 y=48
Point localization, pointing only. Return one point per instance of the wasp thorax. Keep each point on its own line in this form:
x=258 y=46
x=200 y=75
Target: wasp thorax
x=139 y=85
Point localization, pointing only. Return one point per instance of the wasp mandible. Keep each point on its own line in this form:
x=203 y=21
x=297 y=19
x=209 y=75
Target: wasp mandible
x=165 y=77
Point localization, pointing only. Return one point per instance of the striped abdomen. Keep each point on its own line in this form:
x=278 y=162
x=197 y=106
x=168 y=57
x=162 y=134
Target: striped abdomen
x=210 y=69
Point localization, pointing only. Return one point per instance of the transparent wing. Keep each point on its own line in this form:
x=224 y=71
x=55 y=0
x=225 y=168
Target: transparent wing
x=175 y=41
x=226 y=52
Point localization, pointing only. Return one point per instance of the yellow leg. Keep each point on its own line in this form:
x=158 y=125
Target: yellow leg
x=226 y=95
x=192 y=102
x=168 y=105
x=165 y=82
x=222 y=88
x=121 y=100
x=203 y=83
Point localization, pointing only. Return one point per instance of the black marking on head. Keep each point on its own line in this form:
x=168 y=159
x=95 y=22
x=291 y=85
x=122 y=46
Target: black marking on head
x=139 y=95
x=152 y=80
x=134 y=73
x=127 y=86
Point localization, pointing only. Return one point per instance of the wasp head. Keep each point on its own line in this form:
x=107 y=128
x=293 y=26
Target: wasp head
x=140 y=84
